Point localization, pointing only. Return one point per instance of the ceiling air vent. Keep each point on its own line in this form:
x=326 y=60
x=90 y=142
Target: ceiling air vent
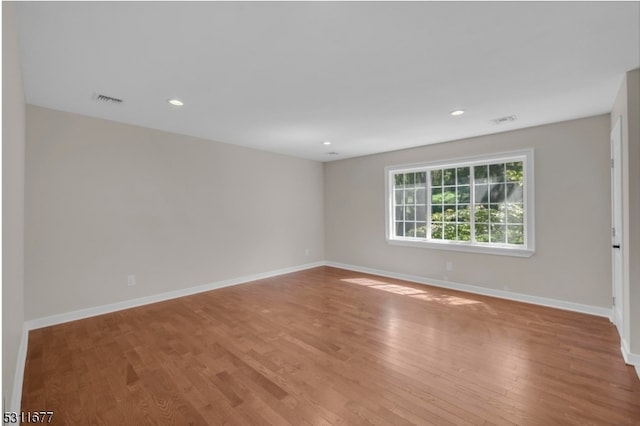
x=108 y=99
x=503 y=120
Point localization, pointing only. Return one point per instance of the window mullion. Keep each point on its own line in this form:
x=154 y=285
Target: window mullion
x=427 y=200
x=457 y=191
x=391 y=180
x=472 y=206
x=525 y=206
x=392 y=183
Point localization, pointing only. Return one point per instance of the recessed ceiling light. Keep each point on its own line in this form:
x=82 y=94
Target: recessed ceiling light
x=326 y=143
x=175 y=102
x=457 y=112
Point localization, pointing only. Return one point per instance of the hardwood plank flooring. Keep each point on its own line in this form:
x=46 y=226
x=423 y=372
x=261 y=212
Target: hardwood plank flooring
x=332 y=347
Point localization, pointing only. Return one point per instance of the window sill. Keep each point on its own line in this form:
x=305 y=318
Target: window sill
x=464 y=247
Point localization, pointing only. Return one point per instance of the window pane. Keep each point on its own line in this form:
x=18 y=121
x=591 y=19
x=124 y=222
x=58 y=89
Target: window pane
x=409 y=213
x=464 y=215
x=482 y=193
x=411 y=232
x=399 y=213
x=449 y=231
x=463 y=175
x=514 y=192
x=449 y=195
x=515 y=213
x=399 y=196
x=421 y=178
x=497 y=193
x=496 y=172
x=408 y=228
x=421 y=229
x=482 y=233
x=420 y=196
x=436 y=231
x=436 y=195
x=480 y=174
x=515 y=234
x=514 y=172
x=408 y=179
x=421 y=213
x=400 y=229
x=436 y=210
x=449 y=213
x=464 y=232
x=481 y=213
x=437 y=216
x=398 y=179
x=496 y=213
x=498 y=233
x=409 y=196
x=436 y=177
x=449 y=176
x=463 y=194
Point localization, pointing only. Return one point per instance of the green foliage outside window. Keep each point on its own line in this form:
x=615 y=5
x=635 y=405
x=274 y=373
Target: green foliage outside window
x=497 y=212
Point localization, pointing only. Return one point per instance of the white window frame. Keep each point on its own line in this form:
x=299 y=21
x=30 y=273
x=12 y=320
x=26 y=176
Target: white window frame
x=525 y=250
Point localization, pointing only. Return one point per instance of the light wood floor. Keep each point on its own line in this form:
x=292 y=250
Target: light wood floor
x=328 y=346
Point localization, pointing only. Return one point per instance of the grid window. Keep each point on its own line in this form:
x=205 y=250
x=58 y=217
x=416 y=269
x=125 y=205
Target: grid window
x=481 y=203
x=410 y=217
x=498 y=206
x=450 y=198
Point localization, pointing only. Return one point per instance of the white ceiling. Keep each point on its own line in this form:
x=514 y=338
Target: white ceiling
x=367 y=76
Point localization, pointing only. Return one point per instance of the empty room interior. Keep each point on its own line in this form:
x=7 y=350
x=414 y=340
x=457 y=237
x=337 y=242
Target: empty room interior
x=315 y=213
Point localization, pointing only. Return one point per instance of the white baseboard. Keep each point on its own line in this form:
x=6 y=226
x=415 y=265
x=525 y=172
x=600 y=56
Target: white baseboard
x=127 y=304
x=553 y=303
x=629 y=357
x=616 y=318
x=16 y=396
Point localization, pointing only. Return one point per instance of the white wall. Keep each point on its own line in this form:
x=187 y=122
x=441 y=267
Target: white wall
x=105 y=200
x=572 y=260
x=13 y=166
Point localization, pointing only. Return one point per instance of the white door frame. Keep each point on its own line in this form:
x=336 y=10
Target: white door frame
x=617 y=262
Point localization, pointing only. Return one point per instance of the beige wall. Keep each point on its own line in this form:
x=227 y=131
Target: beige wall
x=13 y=154
x=627 y=106
x=633 y=99
x=572 y=260
x=105 y=200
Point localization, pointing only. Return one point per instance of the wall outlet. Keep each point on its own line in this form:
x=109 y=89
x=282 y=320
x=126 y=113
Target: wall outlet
x=131 y=280
x=448 y=266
